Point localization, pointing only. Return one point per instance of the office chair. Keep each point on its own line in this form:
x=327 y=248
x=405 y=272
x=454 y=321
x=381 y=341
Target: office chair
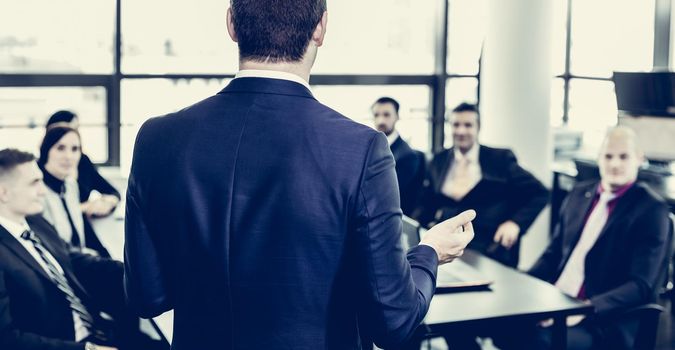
x=648 y=316
x=669 y=288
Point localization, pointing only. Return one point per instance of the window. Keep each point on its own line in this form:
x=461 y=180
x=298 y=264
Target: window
x=24 y=112
x=42 y=36
x=611 y=35
x=605 y=36
x=184 y=37
x=467 y=20
x=413 y=124
x=378 y=37
x=592 y=109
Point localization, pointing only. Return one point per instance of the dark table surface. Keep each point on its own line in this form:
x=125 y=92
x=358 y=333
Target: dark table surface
x=513 y=294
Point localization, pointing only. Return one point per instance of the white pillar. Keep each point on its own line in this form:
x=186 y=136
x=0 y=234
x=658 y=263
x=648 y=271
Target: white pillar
x=515 y=85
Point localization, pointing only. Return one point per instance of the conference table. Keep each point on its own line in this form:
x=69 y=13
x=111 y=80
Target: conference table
x=512 y=296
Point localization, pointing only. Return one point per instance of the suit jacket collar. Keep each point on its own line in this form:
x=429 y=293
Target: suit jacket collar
x=15 y=247
x=8 y=240
x=397 y=144
x=267 y=86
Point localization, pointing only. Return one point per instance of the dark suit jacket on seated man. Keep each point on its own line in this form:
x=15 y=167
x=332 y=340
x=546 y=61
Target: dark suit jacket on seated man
x=610 y=248
x=51 y=297
x=265 y=219
x=506 y=196
x=410 y=164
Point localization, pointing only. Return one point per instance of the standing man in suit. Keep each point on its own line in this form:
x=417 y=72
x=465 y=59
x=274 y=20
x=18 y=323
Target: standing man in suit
x=610 y=248
x=50 y=297
x=410 y=163
x=265 y=219
x=469 y=175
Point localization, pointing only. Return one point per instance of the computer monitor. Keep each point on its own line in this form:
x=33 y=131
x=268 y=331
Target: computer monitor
x=645 y=93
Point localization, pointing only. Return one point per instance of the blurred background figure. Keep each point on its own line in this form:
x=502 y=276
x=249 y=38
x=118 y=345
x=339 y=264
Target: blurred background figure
x=60 y=154
x=88 y=178
x=410 y=163
x=470 y=175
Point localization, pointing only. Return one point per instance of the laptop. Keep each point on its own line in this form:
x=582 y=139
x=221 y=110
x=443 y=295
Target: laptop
x=456 y=276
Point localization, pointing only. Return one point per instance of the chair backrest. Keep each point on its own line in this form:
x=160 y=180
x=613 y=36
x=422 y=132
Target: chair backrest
x=670 y=274
x=648 y=315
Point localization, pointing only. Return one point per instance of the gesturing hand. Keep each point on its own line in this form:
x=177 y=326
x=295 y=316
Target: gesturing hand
x=450 y=237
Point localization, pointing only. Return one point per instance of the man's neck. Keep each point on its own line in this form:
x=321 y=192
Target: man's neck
x=464 y=151
x=300 y=69
x=11 y=216
x=614 y=188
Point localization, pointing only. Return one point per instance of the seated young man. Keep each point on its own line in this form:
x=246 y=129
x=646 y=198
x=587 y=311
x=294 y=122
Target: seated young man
x=51 y=297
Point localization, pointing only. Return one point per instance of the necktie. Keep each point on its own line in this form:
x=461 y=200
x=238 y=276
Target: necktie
x=572 y=277
x=461 y=184
x=61 y=282
x=75 y=238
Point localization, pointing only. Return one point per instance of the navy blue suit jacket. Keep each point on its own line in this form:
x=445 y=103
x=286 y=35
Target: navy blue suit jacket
x=266 y=220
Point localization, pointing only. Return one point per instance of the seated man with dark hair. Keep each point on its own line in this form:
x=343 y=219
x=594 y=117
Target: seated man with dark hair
x=410 y=163
x=610 y=248
x=52 y=297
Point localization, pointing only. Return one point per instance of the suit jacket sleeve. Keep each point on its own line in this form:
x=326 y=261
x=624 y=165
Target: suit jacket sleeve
x=397 y=292
x=15 y=339
x=102 y=278
x=531 y=195
x=145 y=278
x=94 y=181
x=408 y=174
x=651 y=229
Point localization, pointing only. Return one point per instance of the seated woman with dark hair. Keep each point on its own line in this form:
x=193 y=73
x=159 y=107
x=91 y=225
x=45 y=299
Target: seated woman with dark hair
x=88 y=178
x=60 y=153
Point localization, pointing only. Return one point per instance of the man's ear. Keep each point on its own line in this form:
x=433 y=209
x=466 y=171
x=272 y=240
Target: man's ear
x=320 y=30
x=230 y=25
x=4 y=192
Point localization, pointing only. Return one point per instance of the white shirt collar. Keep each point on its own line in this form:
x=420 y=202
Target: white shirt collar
x=15 y=229
x=471 y=155
x=391 y=138
x=272 y=74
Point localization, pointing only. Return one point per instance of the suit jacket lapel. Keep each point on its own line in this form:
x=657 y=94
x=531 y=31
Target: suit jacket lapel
x=15 y=247
x=62 y=260
x=622 y=206
x=576 y=222
x=448 y=159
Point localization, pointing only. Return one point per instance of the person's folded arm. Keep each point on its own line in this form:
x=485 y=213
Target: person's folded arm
x=397 y=290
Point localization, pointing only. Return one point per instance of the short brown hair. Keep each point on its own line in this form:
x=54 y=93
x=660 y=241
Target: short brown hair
x=275 y=31
x=10 y=158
